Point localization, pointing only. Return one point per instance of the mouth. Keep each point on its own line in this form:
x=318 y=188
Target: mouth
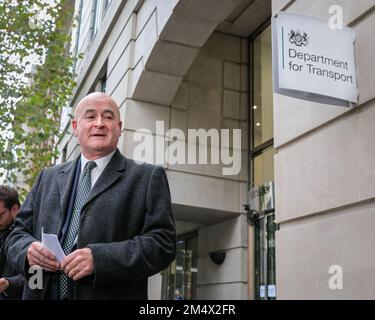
x=101 y=135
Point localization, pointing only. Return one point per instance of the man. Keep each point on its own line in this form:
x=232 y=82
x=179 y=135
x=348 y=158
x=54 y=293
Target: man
x=11 y=284
x=113 y=217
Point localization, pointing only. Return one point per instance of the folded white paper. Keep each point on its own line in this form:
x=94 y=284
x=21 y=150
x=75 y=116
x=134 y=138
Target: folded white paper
x=51 y=242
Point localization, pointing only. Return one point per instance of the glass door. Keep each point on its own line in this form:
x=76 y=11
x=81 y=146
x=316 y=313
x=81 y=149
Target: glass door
x=265 y=280
x=261 y=213
x=179 y=280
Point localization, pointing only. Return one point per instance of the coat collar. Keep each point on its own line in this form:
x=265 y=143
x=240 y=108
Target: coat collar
x=65 y=179
x=109 y=176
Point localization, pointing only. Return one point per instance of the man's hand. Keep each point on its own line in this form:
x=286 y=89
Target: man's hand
x=41 y=256
x=78 y=264
x=4 y=284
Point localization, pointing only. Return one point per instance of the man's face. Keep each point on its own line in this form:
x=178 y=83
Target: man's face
x=97 y=125
x=6 y=215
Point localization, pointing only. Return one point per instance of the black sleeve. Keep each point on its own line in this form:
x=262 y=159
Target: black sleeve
x=15 y=288
x=21 y=237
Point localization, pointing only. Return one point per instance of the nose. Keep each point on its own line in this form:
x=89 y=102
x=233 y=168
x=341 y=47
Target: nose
x=99 y=122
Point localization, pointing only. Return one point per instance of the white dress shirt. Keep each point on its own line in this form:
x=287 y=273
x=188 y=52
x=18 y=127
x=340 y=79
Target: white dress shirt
x=101 y=163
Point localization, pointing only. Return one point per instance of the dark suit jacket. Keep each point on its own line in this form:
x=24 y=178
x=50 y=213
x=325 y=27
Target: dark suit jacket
x=16 y=282
x=127 y=222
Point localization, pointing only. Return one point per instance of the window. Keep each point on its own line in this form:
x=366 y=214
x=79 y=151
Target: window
x=262 y=151
x=101 y=84
x=262 y=160
x=105 y=5
x=181 y=275
x=263 y=166
x=101 y=81
x=76 y=31
x=95 y=17
x=99 y=9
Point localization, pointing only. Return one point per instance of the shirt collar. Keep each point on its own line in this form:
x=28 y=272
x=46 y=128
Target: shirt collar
x=100 y=162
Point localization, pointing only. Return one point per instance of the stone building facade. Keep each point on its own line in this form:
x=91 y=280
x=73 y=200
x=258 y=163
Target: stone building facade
x=192 y=64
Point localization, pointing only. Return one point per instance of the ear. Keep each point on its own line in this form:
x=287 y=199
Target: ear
x=120 y=125
x=14 y=210
x=74 y=126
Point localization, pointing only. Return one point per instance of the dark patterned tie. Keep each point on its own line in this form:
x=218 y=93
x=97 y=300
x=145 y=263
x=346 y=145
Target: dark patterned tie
x=83 y=191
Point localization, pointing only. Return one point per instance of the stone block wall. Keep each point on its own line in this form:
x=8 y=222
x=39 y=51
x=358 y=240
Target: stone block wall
x=324 y=176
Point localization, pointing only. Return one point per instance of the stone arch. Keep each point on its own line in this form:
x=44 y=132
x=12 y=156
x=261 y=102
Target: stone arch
x=183 y=27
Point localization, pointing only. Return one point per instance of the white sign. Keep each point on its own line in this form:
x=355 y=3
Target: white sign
x=310 y=57
x=262 y=291
x=272 y=291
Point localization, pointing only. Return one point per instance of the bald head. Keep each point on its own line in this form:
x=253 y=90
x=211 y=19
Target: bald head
x=97 y=125
x=96 y=98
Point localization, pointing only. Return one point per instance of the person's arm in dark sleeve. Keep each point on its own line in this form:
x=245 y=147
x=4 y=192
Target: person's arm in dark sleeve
x=147 y=253
x=21 y=237
x=15 y=288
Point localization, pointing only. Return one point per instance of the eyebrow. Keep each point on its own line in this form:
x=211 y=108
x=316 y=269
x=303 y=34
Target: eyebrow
x=89 y=110
x=109 y=110
x=94 y=110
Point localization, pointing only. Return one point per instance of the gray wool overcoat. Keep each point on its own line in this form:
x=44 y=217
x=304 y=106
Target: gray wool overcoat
x=127 y=222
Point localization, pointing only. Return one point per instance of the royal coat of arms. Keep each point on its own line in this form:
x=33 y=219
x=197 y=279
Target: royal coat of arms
x=298 y=38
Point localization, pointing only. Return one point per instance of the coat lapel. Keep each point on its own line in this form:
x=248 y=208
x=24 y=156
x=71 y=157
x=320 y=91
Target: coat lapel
x=65 y=180
x=109 y=176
